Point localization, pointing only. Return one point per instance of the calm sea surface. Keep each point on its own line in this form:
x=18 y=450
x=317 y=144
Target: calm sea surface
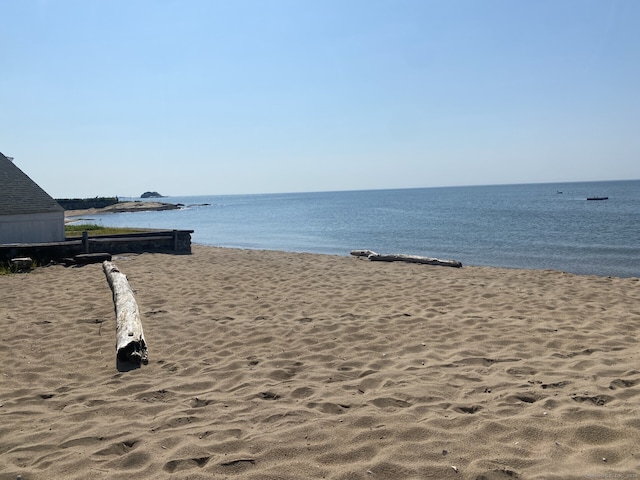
x=520 y=226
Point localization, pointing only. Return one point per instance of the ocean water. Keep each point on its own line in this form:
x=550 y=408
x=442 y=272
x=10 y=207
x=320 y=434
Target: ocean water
x=517 y=226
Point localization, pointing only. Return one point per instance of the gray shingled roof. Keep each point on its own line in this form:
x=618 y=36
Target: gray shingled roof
x=19 y=194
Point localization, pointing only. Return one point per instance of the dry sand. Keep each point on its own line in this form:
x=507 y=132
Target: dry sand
x=269 y=365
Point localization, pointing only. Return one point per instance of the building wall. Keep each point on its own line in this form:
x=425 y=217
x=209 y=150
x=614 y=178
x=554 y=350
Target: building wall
x=32 y=228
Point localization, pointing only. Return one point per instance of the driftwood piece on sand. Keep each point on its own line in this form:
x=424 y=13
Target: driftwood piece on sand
x=414 y=259
x=363 y=253
x=22 y=264
x=130 y=343
x=377 y=257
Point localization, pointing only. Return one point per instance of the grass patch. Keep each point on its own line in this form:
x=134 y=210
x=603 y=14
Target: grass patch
x=74 y=230
x=6 y=269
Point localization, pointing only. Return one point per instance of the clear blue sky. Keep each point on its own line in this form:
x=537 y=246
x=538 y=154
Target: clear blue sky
x=191 y=97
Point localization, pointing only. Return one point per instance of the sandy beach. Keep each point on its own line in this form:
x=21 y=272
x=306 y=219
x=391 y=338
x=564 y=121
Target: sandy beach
x=273 y=365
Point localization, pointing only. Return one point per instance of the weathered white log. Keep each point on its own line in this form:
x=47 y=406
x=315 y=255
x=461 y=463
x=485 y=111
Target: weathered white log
x=414 y=259
x=130 y=342
x=363 y=253
x=371 y=255
x=22 y=264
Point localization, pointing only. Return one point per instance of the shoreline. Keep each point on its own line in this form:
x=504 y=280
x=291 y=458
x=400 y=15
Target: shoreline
x=72 y=216
x=268 y=364
x=574 y=236
x=347 y=254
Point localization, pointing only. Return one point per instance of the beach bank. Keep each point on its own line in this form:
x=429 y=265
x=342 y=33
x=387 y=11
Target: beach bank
x=282 y=365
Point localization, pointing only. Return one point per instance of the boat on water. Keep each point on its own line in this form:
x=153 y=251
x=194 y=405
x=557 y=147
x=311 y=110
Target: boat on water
x=597 y=198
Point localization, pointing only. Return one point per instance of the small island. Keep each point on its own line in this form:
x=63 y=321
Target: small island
x=151 y=195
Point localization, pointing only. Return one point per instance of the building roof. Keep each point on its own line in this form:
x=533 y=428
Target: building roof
x=21 y=195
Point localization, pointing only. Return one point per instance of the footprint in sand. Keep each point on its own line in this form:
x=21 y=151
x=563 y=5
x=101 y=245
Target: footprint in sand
x=620 y=383
x=185 y=464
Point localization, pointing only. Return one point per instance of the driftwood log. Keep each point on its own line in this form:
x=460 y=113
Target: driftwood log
x=362 y=253
x=130 y=343
x=22 y=264
x=377 y=257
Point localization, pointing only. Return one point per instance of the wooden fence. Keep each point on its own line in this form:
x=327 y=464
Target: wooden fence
x=161 y=241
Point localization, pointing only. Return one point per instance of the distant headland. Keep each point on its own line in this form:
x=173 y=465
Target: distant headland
x=89 y=206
